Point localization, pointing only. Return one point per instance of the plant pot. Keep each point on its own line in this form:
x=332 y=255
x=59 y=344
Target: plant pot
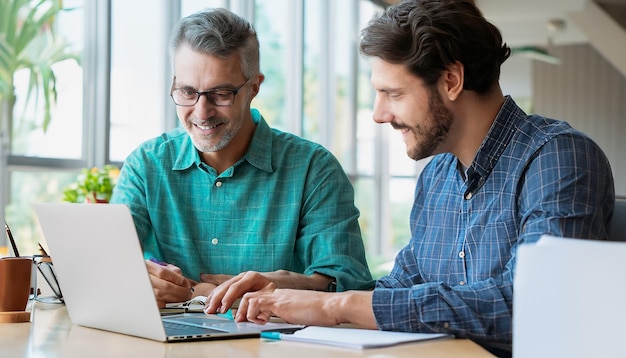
x=96 y=201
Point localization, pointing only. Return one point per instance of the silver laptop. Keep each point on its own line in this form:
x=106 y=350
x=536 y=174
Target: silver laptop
x=100 y=266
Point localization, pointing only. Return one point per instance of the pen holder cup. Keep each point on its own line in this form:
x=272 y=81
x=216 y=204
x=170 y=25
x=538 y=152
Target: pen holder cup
x=15 y=280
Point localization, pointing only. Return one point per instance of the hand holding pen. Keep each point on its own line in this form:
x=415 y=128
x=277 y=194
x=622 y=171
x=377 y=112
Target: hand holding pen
x=168 y=283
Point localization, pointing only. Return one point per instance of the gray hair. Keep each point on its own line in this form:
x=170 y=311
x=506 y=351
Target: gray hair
x=218 y=32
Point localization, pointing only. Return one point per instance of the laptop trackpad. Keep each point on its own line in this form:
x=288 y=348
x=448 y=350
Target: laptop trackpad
x=173 y=329
x=208 y=323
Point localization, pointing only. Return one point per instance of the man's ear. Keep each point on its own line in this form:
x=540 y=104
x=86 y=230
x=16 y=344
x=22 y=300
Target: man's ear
x=257 y=86
x=453 y=78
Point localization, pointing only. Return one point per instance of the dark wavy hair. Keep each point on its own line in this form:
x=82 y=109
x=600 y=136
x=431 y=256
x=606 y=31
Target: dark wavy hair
x=428 y=35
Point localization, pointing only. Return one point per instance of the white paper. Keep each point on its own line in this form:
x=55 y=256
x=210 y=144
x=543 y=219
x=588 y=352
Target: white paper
x=357 y=338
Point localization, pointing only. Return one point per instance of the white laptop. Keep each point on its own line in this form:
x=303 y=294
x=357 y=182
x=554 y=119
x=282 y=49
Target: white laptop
x=569 y=299
x=99 y=263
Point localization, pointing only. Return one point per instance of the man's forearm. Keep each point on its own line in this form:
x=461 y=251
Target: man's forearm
x=288 y=279
x=354 y=307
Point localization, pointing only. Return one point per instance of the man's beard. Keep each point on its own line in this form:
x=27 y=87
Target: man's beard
x=434 y=131
x=204 y=146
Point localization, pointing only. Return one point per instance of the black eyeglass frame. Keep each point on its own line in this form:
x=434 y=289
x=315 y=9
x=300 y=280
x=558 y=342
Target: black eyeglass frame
x=208 y=94
x=46 y=268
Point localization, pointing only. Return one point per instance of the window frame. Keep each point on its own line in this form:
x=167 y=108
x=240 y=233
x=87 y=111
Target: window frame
x=96 y=66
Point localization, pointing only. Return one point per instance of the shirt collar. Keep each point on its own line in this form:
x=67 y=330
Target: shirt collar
x=497 y=139
x=187 y=154
x=259 y=151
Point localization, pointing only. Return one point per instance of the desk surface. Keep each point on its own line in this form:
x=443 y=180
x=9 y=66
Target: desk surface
x=51 y=334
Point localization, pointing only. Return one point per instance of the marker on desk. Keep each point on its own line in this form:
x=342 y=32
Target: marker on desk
x=271 y=335
x=280 y=333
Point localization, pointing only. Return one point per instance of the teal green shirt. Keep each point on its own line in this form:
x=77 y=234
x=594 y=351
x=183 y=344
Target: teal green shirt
x=287 y=204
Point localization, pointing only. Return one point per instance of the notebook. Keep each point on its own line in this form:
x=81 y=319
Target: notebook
x=100 y=266
x=569 y=298
x=354 y=338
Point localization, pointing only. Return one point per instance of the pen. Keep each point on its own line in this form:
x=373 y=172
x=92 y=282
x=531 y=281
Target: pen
x=161 y=263
x=158 y=262
x=6 y=228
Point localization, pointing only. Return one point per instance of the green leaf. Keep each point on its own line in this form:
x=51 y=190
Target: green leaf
x=28 y=41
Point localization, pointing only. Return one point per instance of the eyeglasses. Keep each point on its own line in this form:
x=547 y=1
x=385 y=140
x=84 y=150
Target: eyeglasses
x=218 y=97
x=45 y=267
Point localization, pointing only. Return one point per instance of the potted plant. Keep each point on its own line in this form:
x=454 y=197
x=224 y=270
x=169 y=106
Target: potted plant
x=93 y=185
x=27 y=43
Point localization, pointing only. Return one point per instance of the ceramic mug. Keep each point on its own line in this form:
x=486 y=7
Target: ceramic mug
x=15 y=276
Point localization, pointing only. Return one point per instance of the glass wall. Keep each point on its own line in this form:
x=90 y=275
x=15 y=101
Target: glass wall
x=138 y=62
x=316 y=86
x=40 y=160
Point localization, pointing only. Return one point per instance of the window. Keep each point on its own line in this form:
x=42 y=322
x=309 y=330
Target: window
x=317 y=86
x=40 y=163
x=138 y=109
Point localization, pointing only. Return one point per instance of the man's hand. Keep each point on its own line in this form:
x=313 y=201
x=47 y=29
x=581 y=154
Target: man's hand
x=308 y=307
x=224 y=295
x=228 y=291
x=216 y=280
x=202 y=288
x=168 y=283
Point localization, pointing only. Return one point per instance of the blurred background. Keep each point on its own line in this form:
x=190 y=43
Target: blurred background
x=112 y=94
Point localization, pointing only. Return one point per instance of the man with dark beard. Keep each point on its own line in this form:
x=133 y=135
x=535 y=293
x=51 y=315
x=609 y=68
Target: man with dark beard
x=498 y=178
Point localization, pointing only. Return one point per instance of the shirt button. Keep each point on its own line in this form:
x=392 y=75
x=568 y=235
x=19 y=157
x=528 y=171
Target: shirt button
x=218 y=184
x=468 y=196
x=461 y=254
x=462 y=283
x=215 y=241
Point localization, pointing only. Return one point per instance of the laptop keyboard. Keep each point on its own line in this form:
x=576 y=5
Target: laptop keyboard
x=177 y=329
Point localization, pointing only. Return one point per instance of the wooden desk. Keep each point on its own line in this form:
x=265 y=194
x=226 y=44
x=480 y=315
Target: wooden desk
x=51 y=334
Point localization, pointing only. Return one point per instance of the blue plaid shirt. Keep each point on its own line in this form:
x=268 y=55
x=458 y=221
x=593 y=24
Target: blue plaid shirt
x=531 y=176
